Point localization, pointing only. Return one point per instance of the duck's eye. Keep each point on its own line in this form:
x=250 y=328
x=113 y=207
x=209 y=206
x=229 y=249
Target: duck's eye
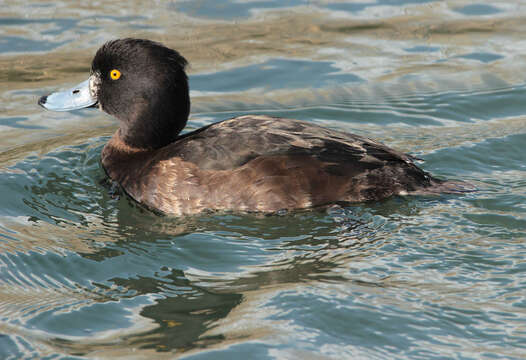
x=115 y=74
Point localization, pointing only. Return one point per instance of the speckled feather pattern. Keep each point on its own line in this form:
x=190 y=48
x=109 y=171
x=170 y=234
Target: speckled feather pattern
x=261 y=163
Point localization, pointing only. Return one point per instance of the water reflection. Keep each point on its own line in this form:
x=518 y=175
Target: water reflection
x=18 y=44
x=225 y=9
x=18 y=122
x=482 y=57
x=182 y=311
x=279 y=74
x=194 y=291
x=188 y=290
x=422 y=48
x=55 y=28
x=360 y=6
x=478 y=9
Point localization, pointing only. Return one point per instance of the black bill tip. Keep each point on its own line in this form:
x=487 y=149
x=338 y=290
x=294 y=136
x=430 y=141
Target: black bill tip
x=42 y=101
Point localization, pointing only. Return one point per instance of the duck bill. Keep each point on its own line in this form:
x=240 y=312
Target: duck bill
x=78 y=97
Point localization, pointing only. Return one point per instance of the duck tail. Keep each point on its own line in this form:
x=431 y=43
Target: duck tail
x=446 y=187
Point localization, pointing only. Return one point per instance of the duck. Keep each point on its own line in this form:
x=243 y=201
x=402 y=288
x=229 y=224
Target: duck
x=251 y=163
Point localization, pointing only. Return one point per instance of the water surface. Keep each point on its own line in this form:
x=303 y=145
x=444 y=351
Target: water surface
x=87 y=275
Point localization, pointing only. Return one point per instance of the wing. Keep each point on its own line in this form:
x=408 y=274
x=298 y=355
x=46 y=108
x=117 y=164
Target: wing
x=232 y=143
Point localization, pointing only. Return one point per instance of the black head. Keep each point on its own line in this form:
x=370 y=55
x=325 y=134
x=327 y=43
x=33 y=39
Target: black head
x=144 y=85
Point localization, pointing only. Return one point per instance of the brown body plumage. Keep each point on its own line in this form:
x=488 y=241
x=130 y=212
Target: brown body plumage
x=260 y=163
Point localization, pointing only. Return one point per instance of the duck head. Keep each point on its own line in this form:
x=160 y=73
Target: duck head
x=141 y=83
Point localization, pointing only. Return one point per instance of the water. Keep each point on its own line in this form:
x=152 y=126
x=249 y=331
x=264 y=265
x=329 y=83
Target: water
x=85 y=275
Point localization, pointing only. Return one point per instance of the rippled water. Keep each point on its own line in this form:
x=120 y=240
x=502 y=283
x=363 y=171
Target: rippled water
x=83 y=274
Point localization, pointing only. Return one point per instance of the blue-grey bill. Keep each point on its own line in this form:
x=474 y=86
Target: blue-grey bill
x=75 y=98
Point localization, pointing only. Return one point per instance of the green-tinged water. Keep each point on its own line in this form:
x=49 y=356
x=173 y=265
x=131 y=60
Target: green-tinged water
x=86 y=275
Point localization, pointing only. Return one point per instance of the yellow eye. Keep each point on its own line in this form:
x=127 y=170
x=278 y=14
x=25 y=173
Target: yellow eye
x=115 y=74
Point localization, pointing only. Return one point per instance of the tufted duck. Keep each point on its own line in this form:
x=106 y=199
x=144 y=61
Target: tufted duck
x=248 y=163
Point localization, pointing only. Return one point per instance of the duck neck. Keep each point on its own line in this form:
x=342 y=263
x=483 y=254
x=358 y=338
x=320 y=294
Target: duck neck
x=121 y=160
x=152 y=122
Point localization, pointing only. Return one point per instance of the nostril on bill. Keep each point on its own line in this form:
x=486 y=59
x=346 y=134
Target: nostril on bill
x=76 y=91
